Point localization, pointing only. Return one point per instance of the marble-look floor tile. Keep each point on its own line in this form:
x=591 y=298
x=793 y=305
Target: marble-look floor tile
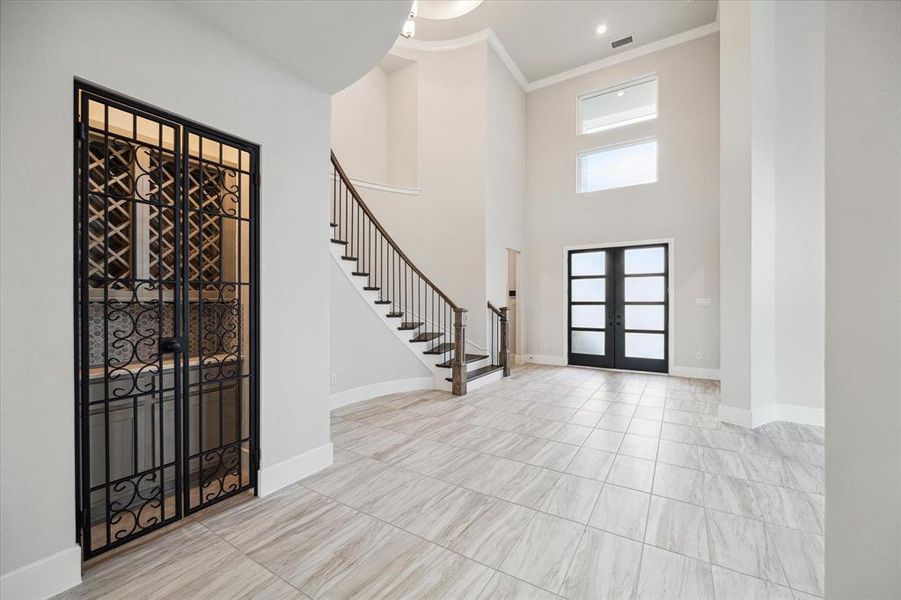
x=310 y=556
x=807 y=478
x=604 y=566
x=188 y=560
x=631 y=472
x=544 y=551
x=529 y=485
x=491 y=474
x=586 y=418
x=639 y=446
x=765 y=469
x=730 y=495
x=594 y=464
x=554 y=455
x=791 y=508
x=489 y=537
x=412 y=498
x=644 y=427
x=614 y=422
x=504 y=587
x=621 y=511
x=721 y=462
x=743 y=545
x=601 y=439
x=679 y=527
x=441 y=574
x=569 y=433
x=572 y=498
x=444 y=519
x=679 y=483
x=672 y=576
x=731 y=585
x=677 y=453
x=802 y=555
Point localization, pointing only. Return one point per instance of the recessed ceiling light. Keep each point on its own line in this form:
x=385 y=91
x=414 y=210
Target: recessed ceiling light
x=620 y=94
x=602 y=29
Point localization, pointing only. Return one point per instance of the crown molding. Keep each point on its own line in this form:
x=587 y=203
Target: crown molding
x=488 y=35
x=673 y=40
x=485 y=35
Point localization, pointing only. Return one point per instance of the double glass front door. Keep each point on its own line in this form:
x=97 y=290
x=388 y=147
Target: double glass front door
x=618 y=308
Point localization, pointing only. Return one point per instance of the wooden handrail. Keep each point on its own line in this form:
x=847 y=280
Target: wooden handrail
x=350 y=186
x=495 y=309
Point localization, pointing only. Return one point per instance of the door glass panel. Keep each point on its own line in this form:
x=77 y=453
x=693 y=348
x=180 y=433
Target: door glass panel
x=644 y=317
x=588 y=290
x=588 y=315
x=644 y=345
x=644 y=289
x=589 y=263
x=588 y=342
x=645 y=260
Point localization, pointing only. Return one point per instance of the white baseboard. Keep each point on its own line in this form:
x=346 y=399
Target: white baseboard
x=367 y=392
x=695 y=372
x=277 y=476
x=733 y=415
x=793 y=413
x=44 y=577
x=806 y=415
x=544 y=359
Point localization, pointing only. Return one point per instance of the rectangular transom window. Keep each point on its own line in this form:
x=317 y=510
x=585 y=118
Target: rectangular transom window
x=618 y=166
x=623 y=105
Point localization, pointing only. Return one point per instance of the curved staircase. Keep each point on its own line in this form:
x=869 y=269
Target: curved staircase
x=418 y=312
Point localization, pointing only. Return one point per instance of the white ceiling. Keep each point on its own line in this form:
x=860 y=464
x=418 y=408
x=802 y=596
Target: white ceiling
x=548 y=37
x=299 y=35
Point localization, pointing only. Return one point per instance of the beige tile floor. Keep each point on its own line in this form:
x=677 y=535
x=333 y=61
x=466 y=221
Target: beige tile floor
x=555 y=482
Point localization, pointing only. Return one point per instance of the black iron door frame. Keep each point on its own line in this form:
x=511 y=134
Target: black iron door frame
x=121 y=181
x=613 y=299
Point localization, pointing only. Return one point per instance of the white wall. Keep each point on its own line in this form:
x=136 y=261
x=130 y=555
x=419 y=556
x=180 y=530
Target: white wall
x=799 y=206
x=863 y=299
x=141 y=52
x=505 y=194
x=735 y=204
x=771 y=224
x=443 y=229
x=362 y=351
x=682 y=205
x=360 y=127
x=403 y=99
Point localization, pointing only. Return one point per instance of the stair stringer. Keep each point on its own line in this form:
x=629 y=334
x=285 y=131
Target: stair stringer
x=431 y=361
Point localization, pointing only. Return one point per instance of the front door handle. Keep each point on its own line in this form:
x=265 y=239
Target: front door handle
x=172 y=344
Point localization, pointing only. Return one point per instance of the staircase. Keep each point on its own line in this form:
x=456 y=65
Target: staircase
x=416 y=310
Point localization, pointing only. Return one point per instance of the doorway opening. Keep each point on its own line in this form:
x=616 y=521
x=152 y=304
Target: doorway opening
x=166 y=319
x=513 y=302
x=618 y=307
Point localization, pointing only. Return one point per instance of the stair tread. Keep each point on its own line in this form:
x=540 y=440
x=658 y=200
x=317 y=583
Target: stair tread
x=394 y=315
x=372 y=288
x=337 y=241
x=383 y=301
x=440 y=348
x=410 y=325
x=480 y=372
x=348 y=258
x=333 y=224
x=360 y=274
x=469 y=358
x=427 y=336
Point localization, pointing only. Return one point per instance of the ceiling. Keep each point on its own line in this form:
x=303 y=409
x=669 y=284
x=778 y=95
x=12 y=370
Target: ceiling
x=298 y=34
x=548 y=37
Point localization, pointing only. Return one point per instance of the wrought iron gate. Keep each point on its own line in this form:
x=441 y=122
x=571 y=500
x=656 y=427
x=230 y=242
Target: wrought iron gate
x=166 y=302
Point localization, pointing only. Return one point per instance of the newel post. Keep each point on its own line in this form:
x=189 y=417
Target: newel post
x=458 y=385
x=505 y=342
